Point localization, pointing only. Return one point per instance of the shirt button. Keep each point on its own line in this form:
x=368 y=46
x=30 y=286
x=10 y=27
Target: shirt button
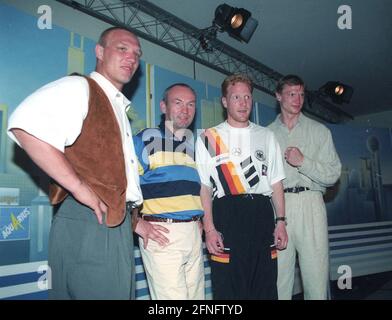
x=118 y=95
x=132 y=161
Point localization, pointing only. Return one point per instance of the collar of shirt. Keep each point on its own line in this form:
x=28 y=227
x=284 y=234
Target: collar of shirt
x=229 y=127
x=279 y=121
x=111 y=91
x=167 y=134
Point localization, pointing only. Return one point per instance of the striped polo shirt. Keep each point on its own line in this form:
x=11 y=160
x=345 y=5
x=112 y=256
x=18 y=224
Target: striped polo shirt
x=168 y=176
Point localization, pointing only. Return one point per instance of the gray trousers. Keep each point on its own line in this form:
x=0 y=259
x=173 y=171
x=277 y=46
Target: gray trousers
x=88 y=260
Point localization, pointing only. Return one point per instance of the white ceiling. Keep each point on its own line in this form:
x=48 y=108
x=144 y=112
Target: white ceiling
x=302 y=37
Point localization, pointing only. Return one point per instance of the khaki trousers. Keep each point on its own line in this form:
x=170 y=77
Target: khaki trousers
x=176 y=271
x=308 y=237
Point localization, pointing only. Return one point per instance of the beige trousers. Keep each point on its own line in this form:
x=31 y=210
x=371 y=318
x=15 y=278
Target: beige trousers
x=176 y=271
x=307 y=229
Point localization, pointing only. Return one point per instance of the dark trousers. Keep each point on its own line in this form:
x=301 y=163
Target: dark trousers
x=89 y=260
x=247 y=225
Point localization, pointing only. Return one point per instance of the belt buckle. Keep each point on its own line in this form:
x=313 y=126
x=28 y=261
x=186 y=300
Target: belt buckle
x=129 y=206
x=297 y=189
x=169 y=220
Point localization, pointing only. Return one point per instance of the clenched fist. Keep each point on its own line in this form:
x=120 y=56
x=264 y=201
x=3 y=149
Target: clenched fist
x=294 y=156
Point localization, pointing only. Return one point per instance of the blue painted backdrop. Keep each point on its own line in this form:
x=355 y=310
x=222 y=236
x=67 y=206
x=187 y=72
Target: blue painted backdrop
x=30 y=57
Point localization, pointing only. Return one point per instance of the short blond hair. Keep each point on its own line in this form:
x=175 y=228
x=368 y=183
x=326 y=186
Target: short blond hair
x=233 y=79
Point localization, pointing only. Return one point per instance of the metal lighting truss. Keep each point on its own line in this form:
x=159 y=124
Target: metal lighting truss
x=156 y=25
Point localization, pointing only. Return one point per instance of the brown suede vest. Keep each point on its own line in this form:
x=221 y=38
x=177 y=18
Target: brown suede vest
x=97 y=157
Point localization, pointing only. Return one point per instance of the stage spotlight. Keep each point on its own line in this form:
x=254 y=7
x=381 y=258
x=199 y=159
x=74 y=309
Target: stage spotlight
x=237 y=22
x=337 y=91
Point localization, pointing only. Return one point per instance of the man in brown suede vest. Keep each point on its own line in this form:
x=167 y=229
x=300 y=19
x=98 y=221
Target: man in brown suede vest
x=76 y=130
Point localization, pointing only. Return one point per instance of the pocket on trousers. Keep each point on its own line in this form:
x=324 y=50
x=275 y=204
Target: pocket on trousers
x=93 y=245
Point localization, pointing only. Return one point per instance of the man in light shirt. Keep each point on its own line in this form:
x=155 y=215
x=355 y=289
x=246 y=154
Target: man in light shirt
x=76 y=130
x=311 y=164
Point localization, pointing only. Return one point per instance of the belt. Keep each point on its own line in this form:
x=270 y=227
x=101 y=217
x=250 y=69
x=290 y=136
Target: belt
x=129 y=205
x=160 y=219
x=295 y=189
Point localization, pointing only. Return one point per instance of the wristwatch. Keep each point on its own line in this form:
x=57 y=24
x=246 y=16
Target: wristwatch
x=281 y=219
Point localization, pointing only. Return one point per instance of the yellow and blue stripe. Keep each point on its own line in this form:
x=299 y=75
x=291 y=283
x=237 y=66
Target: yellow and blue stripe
x=168 y=176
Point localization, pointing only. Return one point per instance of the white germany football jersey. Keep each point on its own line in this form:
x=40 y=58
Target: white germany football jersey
x=239 y=160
